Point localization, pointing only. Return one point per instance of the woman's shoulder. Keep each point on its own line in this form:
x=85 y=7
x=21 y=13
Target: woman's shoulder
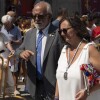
x=93 y=50
x=64 y=49
x=90 y=44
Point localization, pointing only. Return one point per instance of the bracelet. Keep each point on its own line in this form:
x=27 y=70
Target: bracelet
x=56 y=98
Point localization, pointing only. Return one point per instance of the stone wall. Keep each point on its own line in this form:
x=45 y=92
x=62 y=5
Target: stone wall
x=71 y=5
x=2 y=8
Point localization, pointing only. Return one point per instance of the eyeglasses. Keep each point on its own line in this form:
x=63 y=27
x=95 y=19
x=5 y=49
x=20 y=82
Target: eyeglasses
x=64 y=30
x=39 y=16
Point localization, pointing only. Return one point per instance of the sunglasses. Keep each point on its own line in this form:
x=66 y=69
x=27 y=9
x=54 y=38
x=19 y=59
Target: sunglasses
x=39 y=16
x=64 y=30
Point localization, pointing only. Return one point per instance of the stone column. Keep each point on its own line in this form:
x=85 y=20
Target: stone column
x=2 y=8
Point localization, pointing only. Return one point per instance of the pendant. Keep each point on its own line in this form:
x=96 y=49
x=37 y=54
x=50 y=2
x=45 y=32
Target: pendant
x=65 y=75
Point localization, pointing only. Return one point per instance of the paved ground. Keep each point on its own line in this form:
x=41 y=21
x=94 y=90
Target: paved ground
x=17 y=98
x=23 y=95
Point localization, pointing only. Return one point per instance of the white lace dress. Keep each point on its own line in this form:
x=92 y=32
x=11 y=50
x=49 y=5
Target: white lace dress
x=68 y=88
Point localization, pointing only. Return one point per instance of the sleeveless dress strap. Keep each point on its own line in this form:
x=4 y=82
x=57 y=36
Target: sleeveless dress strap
x=88 y=44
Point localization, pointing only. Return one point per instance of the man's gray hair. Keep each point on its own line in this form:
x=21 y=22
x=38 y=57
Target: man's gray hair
x=6 y=18
x=48 y=6
x=49 y=10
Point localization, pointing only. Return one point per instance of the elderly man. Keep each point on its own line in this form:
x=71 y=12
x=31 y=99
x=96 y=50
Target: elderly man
x=4 y=45
x=14 y=36
x=41 y=49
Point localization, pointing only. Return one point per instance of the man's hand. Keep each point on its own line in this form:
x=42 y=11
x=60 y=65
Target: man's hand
x=26 y=54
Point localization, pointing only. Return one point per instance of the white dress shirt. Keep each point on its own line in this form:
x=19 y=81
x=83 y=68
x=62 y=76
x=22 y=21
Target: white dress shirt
x=44 y=39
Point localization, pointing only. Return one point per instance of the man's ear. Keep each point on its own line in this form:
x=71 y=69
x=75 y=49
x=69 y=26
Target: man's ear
x=49 y=16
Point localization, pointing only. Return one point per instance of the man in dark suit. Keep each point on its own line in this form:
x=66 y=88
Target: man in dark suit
x=43 y=87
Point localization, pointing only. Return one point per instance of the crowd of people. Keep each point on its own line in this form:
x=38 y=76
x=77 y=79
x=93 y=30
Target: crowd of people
x=53 y=51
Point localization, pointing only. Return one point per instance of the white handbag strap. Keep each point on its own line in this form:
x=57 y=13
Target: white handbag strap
x=86 y=84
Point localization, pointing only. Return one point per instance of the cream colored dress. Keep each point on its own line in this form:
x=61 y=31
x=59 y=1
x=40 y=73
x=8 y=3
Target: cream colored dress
x=68 y=88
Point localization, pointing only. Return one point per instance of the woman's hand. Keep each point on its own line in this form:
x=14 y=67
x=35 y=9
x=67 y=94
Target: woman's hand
x=81 y=95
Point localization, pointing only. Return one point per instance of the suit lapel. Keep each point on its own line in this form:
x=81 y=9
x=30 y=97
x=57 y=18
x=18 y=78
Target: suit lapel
x=50 y=39
x=33 y=42
x=48 y=44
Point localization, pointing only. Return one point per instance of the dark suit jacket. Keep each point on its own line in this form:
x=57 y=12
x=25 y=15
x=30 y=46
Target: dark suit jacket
x=51 y=54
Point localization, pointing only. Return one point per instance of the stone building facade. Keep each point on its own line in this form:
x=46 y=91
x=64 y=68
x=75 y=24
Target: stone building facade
x=2 y=8
x=71 y=5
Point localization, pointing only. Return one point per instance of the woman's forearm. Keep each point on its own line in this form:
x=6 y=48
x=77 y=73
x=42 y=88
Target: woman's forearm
x=56 y=90
x=9 y=46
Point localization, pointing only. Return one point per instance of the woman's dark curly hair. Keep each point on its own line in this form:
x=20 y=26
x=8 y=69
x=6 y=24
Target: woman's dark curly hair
x=78 y=25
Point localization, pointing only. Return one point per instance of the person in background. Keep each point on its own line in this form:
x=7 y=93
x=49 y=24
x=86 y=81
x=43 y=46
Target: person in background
x=90 y=24
x=13 y=15
x=41 y=49
x=84 y=18
x=14 y=36
x=4 y=45
x=62 y=12
x=32 y=23
x=70 y=80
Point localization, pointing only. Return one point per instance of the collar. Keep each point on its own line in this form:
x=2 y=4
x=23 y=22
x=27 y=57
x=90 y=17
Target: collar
x=45 y=31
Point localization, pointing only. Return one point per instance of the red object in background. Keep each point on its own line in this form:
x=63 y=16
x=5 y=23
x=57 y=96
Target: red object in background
x=24 y=7
x=96 y=32
x=27 y=6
